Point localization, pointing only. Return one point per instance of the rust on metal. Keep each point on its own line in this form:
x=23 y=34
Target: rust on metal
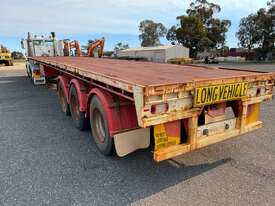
x=145 y=73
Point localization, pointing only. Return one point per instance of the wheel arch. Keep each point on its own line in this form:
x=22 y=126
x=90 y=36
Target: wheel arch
x=82 y=96
x=105 y=98
x=64 y=84
x=120 y=113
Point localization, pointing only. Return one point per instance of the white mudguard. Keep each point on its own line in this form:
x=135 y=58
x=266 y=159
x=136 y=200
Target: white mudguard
x=128 y=142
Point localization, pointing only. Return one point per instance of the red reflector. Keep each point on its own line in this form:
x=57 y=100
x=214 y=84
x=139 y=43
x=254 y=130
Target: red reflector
x=153 y=109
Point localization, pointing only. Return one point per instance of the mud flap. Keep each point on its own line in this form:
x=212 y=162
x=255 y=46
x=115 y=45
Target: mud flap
x=128 y=142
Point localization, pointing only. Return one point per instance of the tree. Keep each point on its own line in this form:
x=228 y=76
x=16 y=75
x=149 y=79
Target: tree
x=120 y=46
x=17 y=55
x=264 y=36
x=203 y=10
x=271 y=12
x=151 y=32
x=216 y=30
x=108 y=53
x=190 y=34
x=247 y=32
x=257 y=30
x=209 y=32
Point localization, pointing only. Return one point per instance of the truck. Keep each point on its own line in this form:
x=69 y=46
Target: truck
x=40 y=45
x=171 y=109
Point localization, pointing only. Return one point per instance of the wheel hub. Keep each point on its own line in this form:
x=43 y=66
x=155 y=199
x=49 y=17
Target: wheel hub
x=98 y=125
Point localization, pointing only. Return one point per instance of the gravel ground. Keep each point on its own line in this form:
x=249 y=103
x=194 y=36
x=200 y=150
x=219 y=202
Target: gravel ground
x=44 y=160
x=13 y=71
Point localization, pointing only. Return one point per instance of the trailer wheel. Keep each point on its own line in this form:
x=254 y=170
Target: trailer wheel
x=78 y=117
x=100 y=128
x=62 y=100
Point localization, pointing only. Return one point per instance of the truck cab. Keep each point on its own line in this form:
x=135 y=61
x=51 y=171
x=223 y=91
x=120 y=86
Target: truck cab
x=37 y=46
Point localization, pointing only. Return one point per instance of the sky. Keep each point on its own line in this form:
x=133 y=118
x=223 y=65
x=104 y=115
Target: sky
x=116 y=20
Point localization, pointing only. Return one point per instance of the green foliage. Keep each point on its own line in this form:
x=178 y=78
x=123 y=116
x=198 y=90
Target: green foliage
x=257 y=30
x=17 y=55
x=120 y=46
x=199 y=30
x=108 y=53
x=203 y=10
x=150 y=33
x=191 y=33
x=247 y=32
x=216 y=30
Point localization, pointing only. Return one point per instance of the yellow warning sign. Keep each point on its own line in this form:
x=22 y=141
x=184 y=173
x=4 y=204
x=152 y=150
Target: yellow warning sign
x=162 y=139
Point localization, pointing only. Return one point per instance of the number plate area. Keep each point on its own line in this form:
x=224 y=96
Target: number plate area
x=220 y=93
x=216 y=128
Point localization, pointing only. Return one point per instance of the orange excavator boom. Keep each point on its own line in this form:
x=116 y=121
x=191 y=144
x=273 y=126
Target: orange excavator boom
x=96 y=44
x=68 y=46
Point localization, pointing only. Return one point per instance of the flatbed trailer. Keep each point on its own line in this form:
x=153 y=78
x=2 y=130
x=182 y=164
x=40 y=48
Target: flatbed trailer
x=176 y=109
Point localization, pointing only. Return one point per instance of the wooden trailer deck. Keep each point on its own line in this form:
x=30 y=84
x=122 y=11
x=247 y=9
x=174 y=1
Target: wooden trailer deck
x=144 y=74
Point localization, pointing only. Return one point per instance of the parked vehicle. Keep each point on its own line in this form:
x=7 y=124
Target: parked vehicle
x=36 y=45
x=210 y=60
x=5 y=57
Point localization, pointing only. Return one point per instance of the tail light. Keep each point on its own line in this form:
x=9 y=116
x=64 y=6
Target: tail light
x=159 y=108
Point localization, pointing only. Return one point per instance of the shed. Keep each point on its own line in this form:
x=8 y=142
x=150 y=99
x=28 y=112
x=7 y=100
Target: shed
x=156 y=54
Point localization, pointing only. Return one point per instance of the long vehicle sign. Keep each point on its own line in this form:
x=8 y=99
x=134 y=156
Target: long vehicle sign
x=220 y=93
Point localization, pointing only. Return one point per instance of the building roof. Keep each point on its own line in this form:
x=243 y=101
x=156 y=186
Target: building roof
x=164 y=47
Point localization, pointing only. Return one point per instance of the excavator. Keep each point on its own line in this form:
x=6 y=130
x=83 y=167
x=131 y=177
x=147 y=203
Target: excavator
x=97 y=44
x=69 y=45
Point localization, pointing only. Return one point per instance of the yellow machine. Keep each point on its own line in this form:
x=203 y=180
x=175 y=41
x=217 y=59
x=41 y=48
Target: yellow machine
x=5 y=57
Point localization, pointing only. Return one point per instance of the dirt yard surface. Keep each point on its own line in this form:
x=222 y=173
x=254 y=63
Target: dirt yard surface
x=45 y=160
x=13 y=71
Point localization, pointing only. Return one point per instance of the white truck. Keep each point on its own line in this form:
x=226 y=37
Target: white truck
x=36 y=46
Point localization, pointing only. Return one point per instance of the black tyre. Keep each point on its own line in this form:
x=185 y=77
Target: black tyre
x=100 y=128
x=78 y=117
x=62 y=100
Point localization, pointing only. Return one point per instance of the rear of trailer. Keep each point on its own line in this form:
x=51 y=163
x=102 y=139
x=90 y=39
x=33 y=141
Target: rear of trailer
x=176 y=109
